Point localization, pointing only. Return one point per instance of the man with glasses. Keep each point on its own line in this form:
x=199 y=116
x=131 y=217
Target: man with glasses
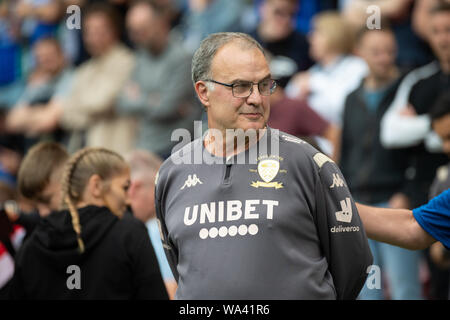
x=281 y=224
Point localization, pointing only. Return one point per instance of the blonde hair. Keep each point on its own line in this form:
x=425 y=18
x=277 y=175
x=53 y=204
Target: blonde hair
x=339 y=33
x=77 y=172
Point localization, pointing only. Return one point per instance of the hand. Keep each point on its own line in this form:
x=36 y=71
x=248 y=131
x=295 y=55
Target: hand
x=45 y=119
x=399 y=201
x=17 y=119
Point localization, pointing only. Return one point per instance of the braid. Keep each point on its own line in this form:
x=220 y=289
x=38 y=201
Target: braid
x=68 y=194
x=76 y=223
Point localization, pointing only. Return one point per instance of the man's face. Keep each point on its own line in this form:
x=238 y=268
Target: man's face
x=378 y=49
x=141 y=195
x=440 y=35
x=319 y=45
x=49 y=58
x=278 y=15
x=98 y=34
x=232 y=64
x=143 y=25
x=442 y=127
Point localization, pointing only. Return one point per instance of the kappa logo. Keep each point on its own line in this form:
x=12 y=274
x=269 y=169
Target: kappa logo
x=337 y=181
x=191 y=181
x=345 y=215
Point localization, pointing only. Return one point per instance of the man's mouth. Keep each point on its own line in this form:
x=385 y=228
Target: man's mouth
x=251 y=115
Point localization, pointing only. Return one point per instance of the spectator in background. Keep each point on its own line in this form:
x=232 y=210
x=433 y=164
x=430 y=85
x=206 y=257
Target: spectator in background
x=297 y=118
x=49 y=83
x=158 y=92
x=204 y=17
x=413 y=52
x=10 y=57
x=89 y=109
x=407 y=122
x=375 y=175
x=40 y=18
x=276 y=33
x=144 y=167
x=11 y=236
x=336 y=73
x=41 y=187
x=11 y=152
x=115 y=255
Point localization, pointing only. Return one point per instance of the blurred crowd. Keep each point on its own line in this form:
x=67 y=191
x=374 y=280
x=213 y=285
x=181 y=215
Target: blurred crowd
x=360 y=87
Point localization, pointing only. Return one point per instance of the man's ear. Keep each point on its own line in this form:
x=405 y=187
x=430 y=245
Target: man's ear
x=202 y=91
x=96 y=186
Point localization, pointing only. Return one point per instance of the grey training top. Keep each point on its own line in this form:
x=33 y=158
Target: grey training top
x=281 y=226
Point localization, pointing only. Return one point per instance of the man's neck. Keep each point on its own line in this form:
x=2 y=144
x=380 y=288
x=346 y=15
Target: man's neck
x=372 y=82
x=159 y=46
x=230 y=146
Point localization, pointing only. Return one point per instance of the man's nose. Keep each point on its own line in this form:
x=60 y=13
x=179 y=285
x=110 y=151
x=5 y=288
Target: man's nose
x=255 y=95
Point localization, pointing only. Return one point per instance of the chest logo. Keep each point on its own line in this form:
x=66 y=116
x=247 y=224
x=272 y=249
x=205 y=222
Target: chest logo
x=268 y=170
x=191 y=181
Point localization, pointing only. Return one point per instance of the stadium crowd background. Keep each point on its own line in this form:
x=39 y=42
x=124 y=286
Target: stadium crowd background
x=121 y=80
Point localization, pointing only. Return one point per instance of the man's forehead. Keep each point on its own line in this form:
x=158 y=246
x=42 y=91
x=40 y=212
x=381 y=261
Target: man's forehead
x=236 y=58
x=440 y=18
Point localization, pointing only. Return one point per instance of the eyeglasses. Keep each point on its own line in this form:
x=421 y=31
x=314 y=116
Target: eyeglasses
x=243 y=89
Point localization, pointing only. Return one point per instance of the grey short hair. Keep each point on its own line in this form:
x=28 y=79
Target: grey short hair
x=143 y=164
x=203 y=56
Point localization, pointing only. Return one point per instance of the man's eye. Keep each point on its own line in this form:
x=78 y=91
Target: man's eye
x=242 y=86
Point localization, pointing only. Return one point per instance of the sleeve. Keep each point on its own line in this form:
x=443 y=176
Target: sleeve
x=340 y=229
x=400 y=131
x=169 y=247
x=434 y=217
x=147 y=280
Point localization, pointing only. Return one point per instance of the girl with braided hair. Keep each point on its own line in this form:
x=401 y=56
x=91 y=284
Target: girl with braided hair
x=90 y=249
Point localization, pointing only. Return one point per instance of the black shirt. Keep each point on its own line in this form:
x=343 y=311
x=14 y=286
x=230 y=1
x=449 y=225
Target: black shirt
x=118 y=262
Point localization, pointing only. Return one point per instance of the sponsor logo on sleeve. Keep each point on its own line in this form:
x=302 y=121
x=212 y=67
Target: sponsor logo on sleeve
x=337 y=181
x=345 y=215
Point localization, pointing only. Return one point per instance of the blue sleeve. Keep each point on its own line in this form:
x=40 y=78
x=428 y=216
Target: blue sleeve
x=434 y=217
x=166 y=272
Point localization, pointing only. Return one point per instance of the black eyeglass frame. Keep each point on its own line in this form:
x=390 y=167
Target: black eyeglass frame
x=232 y=85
